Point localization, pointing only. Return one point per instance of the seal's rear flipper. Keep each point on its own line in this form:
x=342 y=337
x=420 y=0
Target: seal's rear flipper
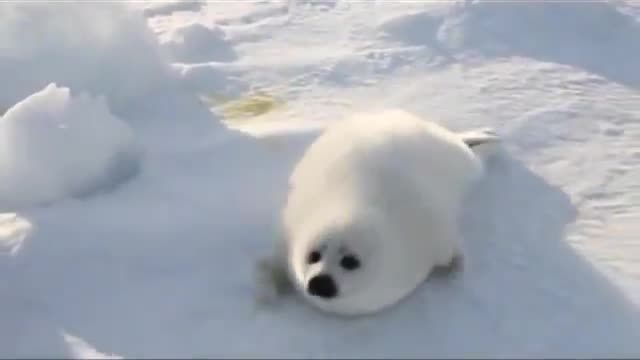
x=484 y=142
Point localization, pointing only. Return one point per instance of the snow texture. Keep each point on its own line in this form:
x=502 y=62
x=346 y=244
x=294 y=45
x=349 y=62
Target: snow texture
x=163 y=264
x=194 y=43
x=169 y=7
x=55 y=145
x=102 y=48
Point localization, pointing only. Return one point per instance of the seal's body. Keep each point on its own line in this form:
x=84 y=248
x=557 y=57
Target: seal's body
x=373 y=209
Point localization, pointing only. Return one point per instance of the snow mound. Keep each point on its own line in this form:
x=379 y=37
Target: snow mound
x=416 y=28
x=197 y=43
x=80 y=349
x=167 y=8
x=596 y=37
x=102 y=48
x=209 y=79
x=14 y=229
x=54 y=145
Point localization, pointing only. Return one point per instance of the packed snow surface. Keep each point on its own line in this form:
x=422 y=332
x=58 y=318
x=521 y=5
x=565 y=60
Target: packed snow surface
x=107 y=251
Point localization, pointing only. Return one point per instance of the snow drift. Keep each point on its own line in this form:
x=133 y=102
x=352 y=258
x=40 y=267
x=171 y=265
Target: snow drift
x=598 y=37
x=197 y=43
x=54 y=145
x=102 y=48
x=13 y=231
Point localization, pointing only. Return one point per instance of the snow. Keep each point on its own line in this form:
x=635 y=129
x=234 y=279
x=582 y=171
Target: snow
x=13 y=231
x=193 y=43
x=81 y=350
x=162 y=264
x=105 y=49
x=169 y=7
x=55 y=145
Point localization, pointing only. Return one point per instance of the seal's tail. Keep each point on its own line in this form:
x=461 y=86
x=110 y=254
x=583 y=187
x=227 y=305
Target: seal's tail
x=484 y=142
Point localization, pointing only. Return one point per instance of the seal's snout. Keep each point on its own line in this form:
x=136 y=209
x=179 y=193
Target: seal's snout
x=322 y=286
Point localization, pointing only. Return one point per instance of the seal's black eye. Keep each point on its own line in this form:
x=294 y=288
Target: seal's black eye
x=314 y=257
x=350 y=262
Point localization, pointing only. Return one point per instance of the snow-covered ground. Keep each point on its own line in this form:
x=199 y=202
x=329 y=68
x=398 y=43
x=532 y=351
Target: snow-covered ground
x=135 y=206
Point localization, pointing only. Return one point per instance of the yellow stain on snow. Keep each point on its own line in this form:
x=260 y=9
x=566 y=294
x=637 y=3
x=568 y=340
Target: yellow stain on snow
x=250 y=106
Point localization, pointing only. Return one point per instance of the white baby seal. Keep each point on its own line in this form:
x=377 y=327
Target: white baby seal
x=373 y=209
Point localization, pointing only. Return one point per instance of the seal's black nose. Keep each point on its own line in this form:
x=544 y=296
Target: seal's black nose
x=322 y=286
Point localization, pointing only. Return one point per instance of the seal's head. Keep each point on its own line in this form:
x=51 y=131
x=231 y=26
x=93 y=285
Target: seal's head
x=337 y=268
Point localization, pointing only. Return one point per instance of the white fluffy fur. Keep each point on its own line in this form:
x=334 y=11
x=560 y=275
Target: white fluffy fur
x=387 y=186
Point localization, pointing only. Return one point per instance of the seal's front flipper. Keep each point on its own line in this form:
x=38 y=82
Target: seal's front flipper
x=484 y=142
x=272 y=280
